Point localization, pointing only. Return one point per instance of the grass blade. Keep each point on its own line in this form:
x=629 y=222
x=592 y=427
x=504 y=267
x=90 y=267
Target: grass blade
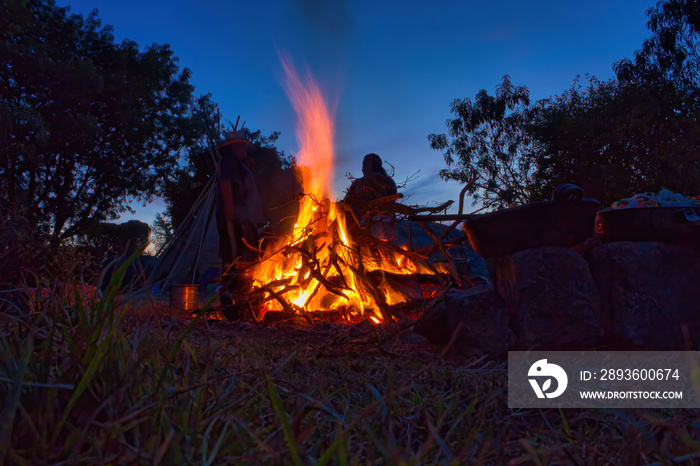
x=222 y=436
x=284 y=422
x=12 y=397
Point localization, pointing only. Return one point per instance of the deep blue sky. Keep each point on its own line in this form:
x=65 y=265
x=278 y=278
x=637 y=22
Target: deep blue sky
x=392 y=67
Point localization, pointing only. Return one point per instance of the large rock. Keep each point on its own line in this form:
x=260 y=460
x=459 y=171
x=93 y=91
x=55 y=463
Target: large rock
x=433 y=325
x=481 y=316
x=650 y=294
x=556 y=300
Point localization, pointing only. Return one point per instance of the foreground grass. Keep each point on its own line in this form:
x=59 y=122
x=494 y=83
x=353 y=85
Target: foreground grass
x=104 y=382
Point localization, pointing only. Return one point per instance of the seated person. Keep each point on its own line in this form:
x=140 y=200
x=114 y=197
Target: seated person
x=374 y=184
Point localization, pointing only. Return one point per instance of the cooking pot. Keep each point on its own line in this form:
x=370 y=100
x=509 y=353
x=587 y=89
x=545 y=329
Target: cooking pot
x=664 y=224
x=563 y=221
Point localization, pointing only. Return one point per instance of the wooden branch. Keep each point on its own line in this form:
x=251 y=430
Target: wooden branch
x=469 y=184
x=313 y=294
x=439 y=208
x=278 y=283
x=318 y=276
x=384 y=200
x=252 y=248
x=441 y=247
x=286 y=306
x=375 y=292
x=421 y=278
x=267 y=288
x=409 y=254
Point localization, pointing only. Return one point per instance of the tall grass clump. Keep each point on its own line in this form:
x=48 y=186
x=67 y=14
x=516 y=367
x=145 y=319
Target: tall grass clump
x=88 y=379
x=111 y=378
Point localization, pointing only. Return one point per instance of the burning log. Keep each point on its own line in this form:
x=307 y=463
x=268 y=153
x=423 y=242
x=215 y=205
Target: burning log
x=419 y=279
x=328 y=269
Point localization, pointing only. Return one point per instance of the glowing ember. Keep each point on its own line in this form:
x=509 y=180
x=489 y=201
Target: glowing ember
x=318 y=266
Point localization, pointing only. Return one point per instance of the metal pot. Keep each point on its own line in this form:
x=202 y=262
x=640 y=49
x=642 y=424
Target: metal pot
x=564 y=221
x=184 y=297
x=671 y=225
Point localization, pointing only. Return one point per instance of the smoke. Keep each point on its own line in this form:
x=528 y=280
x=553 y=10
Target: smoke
x=330 y=18
x=324 y=30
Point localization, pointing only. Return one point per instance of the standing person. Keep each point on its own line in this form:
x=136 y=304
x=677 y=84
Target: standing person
x=240 y=211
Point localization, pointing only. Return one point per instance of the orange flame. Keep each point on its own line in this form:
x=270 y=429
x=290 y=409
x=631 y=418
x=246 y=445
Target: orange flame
x=315 y=131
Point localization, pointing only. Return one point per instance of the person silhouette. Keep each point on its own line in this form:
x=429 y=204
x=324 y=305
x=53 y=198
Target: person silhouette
x=374 y=184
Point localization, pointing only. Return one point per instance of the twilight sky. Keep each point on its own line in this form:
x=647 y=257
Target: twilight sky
x=391 y=68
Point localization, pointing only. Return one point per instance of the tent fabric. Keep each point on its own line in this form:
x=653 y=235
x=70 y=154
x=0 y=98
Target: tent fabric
x=194 y=249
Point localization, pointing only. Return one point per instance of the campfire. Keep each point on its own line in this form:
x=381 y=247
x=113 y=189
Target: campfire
x=328 y=262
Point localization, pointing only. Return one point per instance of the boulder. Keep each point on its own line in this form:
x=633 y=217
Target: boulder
x=556 y=300
x=482 y=318
x=433 y=325
x=650 y=294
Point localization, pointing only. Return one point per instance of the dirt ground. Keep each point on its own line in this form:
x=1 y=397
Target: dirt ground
x=328 y=334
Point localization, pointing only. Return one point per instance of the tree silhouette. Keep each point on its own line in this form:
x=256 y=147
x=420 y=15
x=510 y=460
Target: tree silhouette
x=638 y=132
x=489 y=144
x=672 y=50
x=615 y=139
x=87 y=125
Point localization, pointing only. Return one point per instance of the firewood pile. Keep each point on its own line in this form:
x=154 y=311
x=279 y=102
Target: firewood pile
x=336 y=262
